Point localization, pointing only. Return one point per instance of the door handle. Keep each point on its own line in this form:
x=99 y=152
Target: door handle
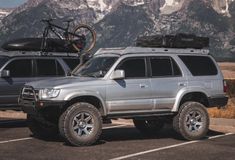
x=143 y=86
x=182 y=84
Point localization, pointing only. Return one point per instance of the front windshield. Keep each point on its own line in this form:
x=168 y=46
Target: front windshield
x=96 y=67
x=3 y=60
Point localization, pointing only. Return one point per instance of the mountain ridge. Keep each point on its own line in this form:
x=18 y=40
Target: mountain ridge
x=119 y=23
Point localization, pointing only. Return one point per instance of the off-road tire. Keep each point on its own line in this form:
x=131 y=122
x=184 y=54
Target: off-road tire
x=61 y=128
x=41 y=129
x=66 y=124
x=180 y=121
x=149 y=127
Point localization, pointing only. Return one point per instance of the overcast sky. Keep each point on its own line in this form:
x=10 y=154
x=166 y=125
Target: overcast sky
x=11 y=3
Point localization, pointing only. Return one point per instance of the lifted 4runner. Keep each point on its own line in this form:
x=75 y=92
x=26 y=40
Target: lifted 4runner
x=149 y=85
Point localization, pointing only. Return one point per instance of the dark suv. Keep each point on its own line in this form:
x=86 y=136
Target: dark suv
x=16 y=69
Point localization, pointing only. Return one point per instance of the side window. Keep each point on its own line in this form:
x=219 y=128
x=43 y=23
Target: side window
x=199 y=65
x=20 y=68
x=134 y=67
x=161 y=67
x=72 y=62
x=48 y=67
x=164 y=67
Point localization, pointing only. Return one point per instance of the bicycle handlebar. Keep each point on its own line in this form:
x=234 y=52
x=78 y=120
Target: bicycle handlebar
x=48 y=20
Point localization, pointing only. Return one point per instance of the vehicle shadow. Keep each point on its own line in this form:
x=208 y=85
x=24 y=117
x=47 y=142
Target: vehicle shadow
x=16 y=123
x=129 y=134
x=132 y=134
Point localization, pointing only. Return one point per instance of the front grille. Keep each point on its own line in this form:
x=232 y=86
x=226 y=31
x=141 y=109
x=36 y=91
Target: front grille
x=28 y=93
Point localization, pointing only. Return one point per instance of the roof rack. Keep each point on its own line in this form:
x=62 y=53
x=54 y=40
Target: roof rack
x=34 y=53
x=136 y=50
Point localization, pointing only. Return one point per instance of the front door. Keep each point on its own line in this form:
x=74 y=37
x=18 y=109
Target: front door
x=20 y=73
x=132 y=93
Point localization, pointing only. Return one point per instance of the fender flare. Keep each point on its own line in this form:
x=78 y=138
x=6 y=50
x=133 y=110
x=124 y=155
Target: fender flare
x=69 y=97
x=183 y=92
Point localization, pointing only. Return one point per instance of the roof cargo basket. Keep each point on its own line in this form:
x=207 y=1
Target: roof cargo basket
x=173 y=41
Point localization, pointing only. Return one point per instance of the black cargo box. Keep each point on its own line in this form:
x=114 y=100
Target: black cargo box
x=173 y=41
x=34 y=44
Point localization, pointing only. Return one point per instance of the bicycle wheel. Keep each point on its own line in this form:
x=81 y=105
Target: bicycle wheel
x=83 y=38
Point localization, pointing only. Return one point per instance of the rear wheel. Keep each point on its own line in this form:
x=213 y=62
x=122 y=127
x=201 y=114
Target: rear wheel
x=192 y=121
x=41 y=129
x=81 y=124
x=149 y=126
x=85 y=39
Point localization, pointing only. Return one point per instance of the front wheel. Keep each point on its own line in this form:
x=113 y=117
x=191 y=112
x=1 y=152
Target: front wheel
x=83 y=38
x=81 y=124
x=192 y=121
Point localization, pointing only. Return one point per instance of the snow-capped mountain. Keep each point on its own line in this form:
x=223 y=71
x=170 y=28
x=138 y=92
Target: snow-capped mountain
x=4 y=13
x=222 y=6
x=120 y=22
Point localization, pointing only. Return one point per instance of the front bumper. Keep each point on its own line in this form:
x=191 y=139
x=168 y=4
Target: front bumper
x=30 y=103
x=218 y=101
x=33 y=107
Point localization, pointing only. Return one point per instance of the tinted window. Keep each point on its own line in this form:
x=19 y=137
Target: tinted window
x=164 y=66
x=199 y=65
x=20 y=68
x=134 y=68
x=48 y=67
x=72 y=63
x=161 y=67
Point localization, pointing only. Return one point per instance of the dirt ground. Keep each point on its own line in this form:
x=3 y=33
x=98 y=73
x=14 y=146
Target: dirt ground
x=228 y=69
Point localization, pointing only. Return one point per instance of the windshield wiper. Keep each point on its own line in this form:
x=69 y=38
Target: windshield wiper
x=86 y=75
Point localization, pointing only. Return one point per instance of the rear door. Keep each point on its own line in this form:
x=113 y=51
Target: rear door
x=21 y=72
x=166 y=81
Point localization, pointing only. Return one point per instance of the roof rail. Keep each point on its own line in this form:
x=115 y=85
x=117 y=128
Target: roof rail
x=32 y=53
x=136 y=50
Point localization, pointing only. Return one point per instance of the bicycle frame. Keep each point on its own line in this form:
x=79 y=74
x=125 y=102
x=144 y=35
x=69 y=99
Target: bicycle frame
x=52 y=27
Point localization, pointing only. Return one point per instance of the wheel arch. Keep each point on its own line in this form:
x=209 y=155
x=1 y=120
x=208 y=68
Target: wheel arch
x=94 y=100
x=196 y=96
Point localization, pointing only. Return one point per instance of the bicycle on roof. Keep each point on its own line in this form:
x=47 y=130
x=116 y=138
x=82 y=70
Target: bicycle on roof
x=82 y=38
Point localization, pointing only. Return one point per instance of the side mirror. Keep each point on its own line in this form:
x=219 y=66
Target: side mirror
x=118 y=74
x=5 y=74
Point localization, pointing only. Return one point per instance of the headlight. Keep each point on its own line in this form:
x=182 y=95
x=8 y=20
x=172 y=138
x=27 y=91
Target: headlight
x=48 y=93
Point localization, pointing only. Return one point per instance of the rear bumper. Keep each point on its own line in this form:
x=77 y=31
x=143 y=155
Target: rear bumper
x=218 y=101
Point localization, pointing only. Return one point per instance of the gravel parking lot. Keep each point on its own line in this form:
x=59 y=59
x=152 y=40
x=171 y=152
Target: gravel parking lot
x=118 y=141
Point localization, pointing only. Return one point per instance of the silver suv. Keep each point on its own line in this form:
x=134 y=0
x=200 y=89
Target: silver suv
x=18 y=68
x=149 y=85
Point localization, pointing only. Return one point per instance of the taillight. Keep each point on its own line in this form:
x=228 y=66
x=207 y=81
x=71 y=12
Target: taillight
x=225 y=86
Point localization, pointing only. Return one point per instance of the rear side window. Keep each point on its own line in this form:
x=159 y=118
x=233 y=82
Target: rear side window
x=48 y=67
x=133 y=67
x=72 y=63
x=199 y=65
x=164 y=67
x=20 y=68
